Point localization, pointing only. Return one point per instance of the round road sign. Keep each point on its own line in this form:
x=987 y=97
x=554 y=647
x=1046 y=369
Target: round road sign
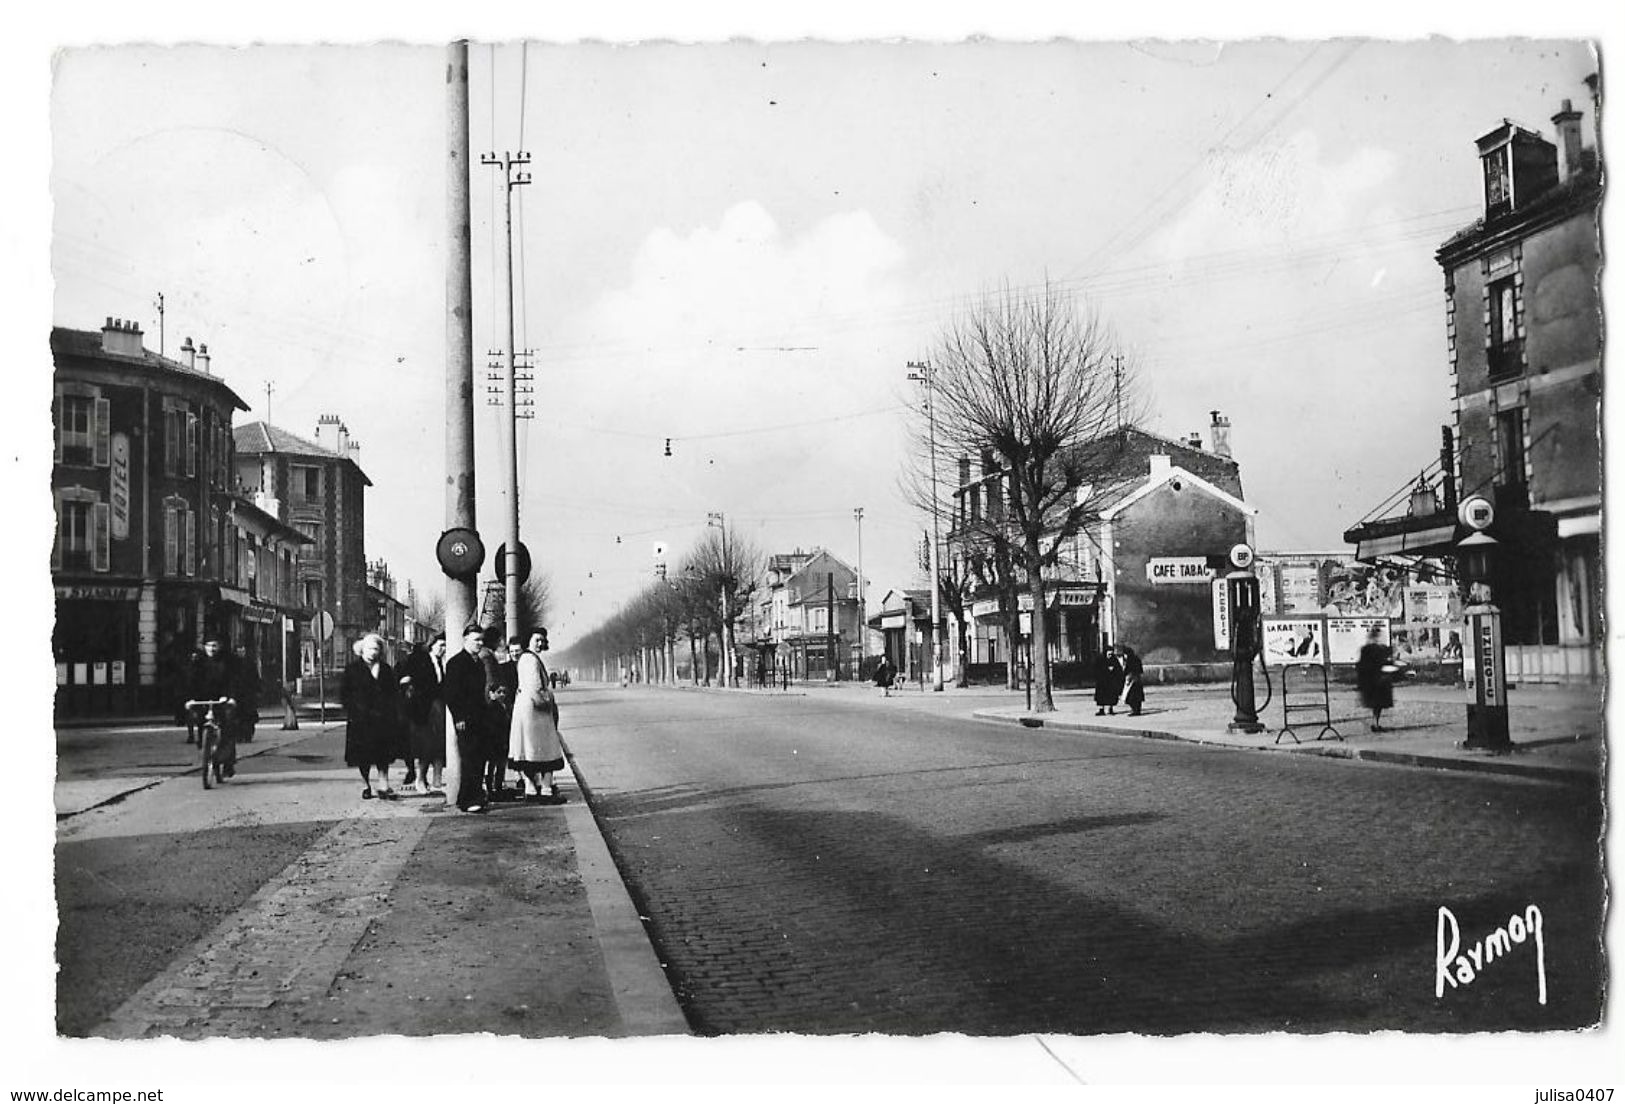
x=522 y=568
x=460 y=553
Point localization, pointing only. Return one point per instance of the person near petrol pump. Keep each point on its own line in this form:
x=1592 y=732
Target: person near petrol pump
x=372 y=712
x=463 y=691
x=1374 y=674
x=1108 y=681
x=216 y=675
x=534 y=747
x=1133 y=679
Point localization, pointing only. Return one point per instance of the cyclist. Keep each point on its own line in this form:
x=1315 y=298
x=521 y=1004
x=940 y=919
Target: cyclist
x=218 y=675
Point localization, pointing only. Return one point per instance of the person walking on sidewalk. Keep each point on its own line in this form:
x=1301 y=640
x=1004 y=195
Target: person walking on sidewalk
x=1373 y=675
x=885 y=673
x=1108 y=682
x=464 y=693
x=534 y=747
x=425 y=712
x=1133 y=679
x=371 y=695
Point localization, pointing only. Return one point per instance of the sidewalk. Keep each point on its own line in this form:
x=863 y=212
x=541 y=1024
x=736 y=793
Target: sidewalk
x=1557 y=731
x=382 y=923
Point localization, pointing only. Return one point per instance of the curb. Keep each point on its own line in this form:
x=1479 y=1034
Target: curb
x=1497 y=765
x=638 y=980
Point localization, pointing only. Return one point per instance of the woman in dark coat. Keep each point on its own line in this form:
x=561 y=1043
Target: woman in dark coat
x=372 y=734
x=1373 y=674
x=1108 y=682
x=425 y=712
x=1133 y=680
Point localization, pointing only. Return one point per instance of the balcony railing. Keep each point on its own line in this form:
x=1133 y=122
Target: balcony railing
x=1506 y=360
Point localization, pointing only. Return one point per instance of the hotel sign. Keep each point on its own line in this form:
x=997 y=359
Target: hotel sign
x=119 y=496
x=1178 y=569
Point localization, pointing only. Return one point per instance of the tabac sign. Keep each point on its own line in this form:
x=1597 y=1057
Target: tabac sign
x=1178 y=569
x=119 y=495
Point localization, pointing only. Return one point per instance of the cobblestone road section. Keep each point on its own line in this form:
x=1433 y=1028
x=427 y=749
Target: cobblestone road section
x=286 y=944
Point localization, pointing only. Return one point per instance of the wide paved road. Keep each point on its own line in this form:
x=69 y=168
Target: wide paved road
x=841 y=863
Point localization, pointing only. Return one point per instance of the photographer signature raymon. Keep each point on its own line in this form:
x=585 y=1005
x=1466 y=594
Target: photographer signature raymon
x=1454 y=967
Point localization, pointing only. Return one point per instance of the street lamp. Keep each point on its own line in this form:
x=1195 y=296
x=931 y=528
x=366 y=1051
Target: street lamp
x=923 y=374
x=863 y=627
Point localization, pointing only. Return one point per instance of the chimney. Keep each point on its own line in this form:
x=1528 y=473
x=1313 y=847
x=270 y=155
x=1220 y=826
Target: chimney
x=1220 y=432
x=121 y=338
x=343 y=448
x=203 y=358
x=1567 y=124
x=330 y=423
x=1194 y=440
x=191 y=353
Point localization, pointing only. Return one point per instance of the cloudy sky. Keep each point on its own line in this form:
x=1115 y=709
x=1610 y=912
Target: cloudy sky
x=740 y=247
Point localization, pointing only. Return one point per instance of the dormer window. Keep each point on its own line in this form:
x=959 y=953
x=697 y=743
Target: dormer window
x=1497 y=182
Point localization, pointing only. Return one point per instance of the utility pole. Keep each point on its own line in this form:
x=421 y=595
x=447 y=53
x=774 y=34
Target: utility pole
x=160 y=305
x=863 y=624
x=1117 y=386
x=923 y=374
x=268 y=389
x=510 y=429
x=459 y=362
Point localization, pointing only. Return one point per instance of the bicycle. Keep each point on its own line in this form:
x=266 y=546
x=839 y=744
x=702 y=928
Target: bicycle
x=209 y=736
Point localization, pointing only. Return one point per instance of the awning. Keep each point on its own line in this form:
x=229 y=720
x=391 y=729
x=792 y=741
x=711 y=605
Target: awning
x=1582 y=526
x=1435 y=540
x=234 y=596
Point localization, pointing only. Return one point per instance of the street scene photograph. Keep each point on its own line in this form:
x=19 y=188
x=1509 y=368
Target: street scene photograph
x=1054 y=560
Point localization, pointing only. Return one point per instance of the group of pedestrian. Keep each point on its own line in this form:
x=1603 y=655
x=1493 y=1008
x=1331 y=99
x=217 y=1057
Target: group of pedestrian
x=498 y=697
x=1119 y=680
x=216 y=673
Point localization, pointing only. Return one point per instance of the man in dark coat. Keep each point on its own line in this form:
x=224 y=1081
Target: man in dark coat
x=465 y=696
x=501 y=683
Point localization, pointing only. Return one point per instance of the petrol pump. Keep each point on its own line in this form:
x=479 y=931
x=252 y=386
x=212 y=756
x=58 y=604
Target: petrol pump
x=1486 y=652
x=1241 y=589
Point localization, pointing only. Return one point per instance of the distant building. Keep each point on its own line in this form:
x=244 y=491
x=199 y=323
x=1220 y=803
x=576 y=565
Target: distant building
x=143 y=488
x=805 y=603
x=322 y=489
x=1523 y=318
x=388 y=613
x=1140 y=571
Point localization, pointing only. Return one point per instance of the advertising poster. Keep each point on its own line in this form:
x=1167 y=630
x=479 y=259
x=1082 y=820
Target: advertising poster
x=1300 y=588
x=1289 y=640
x=1345 y=636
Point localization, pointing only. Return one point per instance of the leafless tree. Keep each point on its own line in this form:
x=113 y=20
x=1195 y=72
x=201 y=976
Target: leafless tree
x=1033 y=378
x=729 y=566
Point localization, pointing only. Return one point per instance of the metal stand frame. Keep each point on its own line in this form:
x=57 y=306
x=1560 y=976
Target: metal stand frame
x=1322 y=709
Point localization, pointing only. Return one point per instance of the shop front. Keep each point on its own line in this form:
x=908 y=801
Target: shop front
x=97 y=647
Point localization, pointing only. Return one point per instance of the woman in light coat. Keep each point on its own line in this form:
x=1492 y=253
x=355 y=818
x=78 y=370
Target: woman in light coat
x=534 y=748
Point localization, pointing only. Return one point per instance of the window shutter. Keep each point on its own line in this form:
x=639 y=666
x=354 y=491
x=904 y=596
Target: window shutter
x=191 y=445
x=191 y=541
x=172 y=563
x=56 y=541
x=56 y=424
x=101 y=517
x=101 y=432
